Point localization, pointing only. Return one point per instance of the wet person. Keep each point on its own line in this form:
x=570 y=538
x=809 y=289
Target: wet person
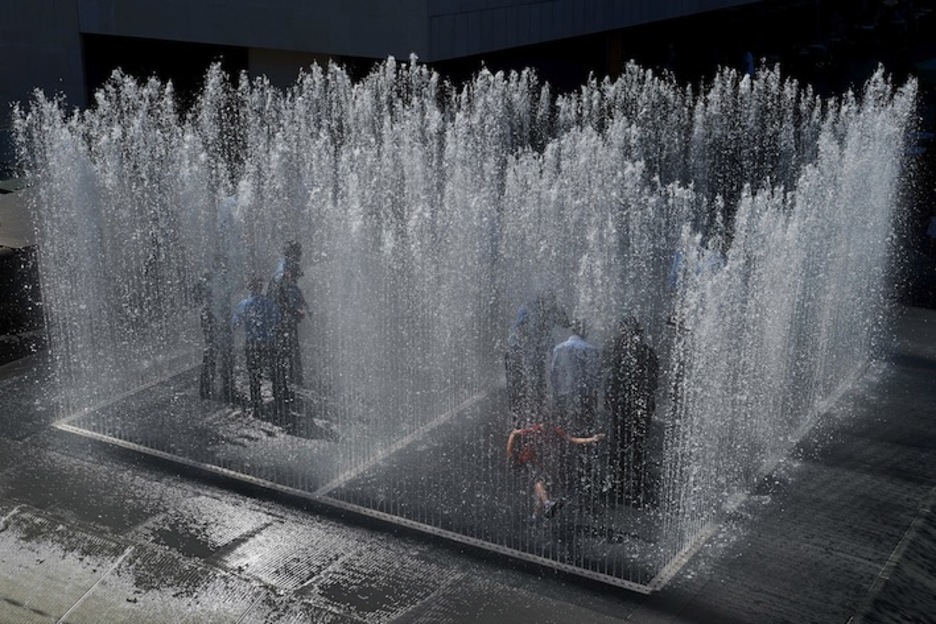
x=258 y=315
x=575 y=377
x=217 y=372
x=291 y=308
x=544 y=450
x=529 y=342
x=202 y=295
x=631 y=371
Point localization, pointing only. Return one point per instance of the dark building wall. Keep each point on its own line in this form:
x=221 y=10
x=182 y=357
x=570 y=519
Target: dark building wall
x=41 y=48
x=459 y=28
x=345 y=28
x=432 y=29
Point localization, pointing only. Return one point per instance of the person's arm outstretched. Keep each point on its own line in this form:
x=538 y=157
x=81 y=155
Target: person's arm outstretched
x=589 y=440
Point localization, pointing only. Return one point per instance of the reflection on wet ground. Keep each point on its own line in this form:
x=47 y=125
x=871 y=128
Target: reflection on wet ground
x=448 y=477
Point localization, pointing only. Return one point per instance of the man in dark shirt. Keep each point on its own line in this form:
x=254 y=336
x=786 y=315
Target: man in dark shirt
x=291 y=309
x=631 y=377
x=217 y=372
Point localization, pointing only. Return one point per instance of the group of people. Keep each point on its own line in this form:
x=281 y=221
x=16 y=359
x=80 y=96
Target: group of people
x=269 y=316
x=558 y=394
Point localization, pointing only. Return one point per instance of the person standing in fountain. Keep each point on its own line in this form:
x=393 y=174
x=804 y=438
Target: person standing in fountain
x=217 y=373
x=575 y=376
x=631 y=379
x=259 y=316
x=544 y=450
x=202 y=295
x=291 y=309
x=528 y=347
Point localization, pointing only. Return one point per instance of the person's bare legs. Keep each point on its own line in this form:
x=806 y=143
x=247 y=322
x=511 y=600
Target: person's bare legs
x=542 y=497
x=544 y=506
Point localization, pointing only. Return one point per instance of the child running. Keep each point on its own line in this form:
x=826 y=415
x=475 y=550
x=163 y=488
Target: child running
x=543 y=450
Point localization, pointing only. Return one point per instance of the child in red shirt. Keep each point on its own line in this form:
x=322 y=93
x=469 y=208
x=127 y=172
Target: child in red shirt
x=539 y=447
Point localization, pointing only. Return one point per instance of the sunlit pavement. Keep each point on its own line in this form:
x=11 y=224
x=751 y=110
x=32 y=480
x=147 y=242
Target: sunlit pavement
x=92 y=533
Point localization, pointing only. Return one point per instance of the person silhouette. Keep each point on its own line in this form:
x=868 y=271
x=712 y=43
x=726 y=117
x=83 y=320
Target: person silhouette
x=258 y=315
x=291 y=309
x=631 y=372
x=216 y=380
x=529 y=342
x=575 y=377
x=545 y=451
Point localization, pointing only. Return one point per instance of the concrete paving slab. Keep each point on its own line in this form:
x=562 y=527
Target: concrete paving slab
x=405 y=581
x=905 y=590
x=203 y=527
x=46 y=568
x=83 y=491
x=848 y=513
x=154 y=585
x=480 y=600
x=292 y=553
x=287 y=610
x=759 y=589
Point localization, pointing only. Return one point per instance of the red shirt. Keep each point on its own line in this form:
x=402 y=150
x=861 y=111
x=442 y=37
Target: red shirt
x=535 y=439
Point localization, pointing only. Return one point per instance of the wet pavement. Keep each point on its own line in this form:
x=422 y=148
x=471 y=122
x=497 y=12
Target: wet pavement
x=447 y=477
x=841 y=531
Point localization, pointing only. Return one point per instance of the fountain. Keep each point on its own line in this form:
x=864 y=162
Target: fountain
x=428 y=214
